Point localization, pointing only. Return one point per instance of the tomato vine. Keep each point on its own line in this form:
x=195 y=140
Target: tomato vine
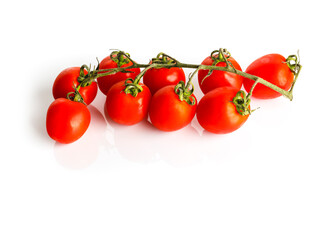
x=292 y=61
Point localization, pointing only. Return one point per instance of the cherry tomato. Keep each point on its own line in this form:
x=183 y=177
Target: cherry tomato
x=65 y=81
x=216 y=112
x=219 y=78
x=67 y=120
x=106 y=82
x=156 y=79
x=274 y=69
x=124 y=108
x=167 y=112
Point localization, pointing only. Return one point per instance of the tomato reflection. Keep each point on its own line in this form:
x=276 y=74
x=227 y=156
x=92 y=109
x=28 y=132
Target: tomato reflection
x=83 y=152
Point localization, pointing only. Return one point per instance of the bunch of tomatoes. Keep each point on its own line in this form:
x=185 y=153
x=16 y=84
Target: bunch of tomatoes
x=165 y=95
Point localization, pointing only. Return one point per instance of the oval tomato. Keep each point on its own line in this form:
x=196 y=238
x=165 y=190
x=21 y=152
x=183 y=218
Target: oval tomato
x=156 y=79
x=167 y=112
x=124 y=108
x=106 y=82
x=274 y=69
x=67 y=79
x=67 y=120
x=217 y=113
x=219 y=78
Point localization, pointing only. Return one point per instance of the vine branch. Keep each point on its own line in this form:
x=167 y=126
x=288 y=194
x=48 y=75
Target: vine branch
x=227 y=68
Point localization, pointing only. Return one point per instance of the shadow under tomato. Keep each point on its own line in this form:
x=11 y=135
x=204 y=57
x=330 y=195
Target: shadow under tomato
x=179 y=148
x=131 y=142
x=143 y=143
x=83 y=152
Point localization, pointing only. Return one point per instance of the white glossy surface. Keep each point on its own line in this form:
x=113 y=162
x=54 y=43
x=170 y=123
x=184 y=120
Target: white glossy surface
x=272 y=179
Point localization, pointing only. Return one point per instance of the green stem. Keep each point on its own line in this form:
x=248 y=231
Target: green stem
x=295 y=78
x=227 y=68
x=191 y=77
x=252 y=88
x=138 y=78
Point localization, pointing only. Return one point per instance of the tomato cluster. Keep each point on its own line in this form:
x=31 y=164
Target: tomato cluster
x=164 y=96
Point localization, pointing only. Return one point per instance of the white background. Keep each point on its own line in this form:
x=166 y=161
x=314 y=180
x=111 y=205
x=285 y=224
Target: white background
x=274 y=178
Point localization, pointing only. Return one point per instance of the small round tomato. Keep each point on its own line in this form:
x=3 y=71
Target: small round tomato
x=156 y=79
x=124 y=108
x=274 y=69
x=219 y=78
x=106 y=82
x=217 y=113
x=67 y=79
x=168 y=113
x=67 y=120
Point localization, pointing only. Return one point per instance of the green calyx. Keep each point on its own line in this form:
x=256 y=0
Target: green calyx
x=75 y=95
x=184 y=93
x=120 y=57
x=220 y=55
x=86 y=79
x=293 y=62
x=242 y=103
x=163 y=58
x=132 y=87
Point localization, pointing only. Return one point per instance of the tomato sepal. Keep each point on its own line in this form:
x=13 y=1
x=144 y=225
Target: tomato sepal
x=184 y=93
x=87 y=79
x=75 y=96
x=163 y=58
x=242 y=103
x=121 y=58
x=132 y=87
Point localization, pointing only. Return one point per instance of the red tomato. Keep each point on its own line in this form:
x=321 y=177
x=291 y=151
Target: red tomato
x=156 y=79
x=274 y=69
x=219 y=78
x=124 y=108
x=106 y=82
x=217 y=114
x=167 y=112
x=65 y=81
x=67 y=120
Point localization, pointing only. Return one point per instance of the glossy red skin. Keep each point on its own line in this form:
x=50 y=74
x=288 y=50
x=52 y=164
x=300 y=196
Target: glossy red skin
x=66 y=120
x=124 y=108
x=168 y=113
x=273 y=68
x=219 y=78
x=64 y=84
x=156 y=79
x=217 y=114
x=106 y=82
